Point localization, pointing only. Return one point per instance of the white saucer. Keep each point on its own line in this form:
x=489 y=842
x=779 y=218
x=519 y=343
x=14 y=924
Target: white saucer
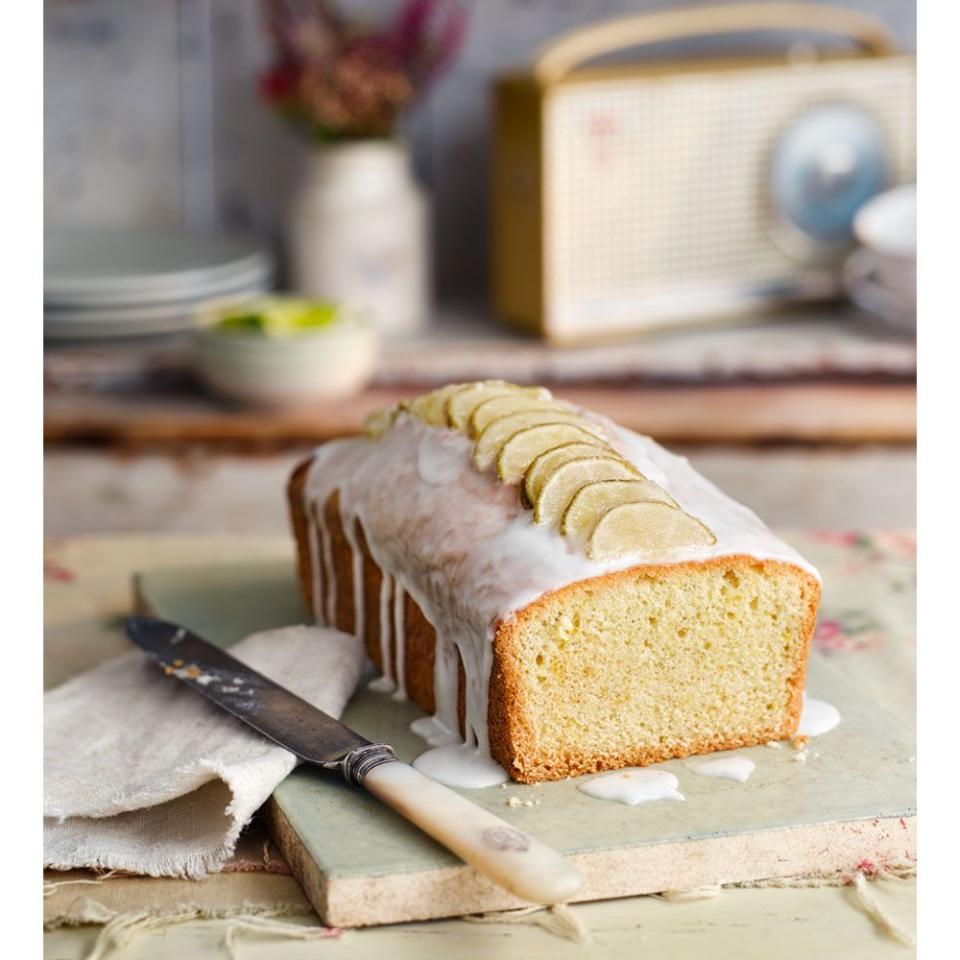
x=102 y=268
x=866 y=291
x=145 y=320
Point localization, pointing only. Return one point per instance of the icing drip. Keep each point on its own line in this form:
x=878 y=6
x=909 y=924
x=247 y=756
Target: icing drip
x=469 y=555
x=400 y=635
x=732 y=768
x=356 y=569
x=316 y=587
x=633 y=786
x=329 y=572
x=385 y=683
x=461 y=765
x=434 y=732
x=446 y=686
x=817 y=717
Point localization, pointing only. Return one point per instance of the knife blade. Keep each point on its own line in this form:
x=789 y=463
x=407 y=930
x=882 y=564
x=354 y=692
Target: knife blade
x=251 y=697
x=508 y=856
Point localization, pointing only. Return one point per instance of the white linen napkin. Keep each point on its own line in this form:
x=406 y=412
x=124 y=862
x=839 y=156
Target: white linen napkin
x=141 y=773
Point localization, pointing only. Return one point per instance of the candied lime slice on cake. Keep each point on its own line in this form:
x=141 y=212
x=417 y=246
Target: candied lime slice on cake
x=559 y=489
x=488 y=444
x=502 y=406
x=647 y=526
x=528 y=446
x=572 y=448
x=593 y=500
x=429 y=407
x=462 y=403
x=379 y=422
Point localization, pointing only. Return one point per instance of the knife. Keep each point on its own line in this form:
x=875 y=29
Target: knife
x=508 y=856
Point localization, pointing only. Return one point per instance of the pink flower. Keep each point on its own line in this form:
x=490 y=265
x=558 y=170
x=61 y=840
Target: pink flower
x=830 y=637
x=872 y=640
x=898 y=542
x=840 y=538
x=53 y=571
x=278 y=83
x=335 y=78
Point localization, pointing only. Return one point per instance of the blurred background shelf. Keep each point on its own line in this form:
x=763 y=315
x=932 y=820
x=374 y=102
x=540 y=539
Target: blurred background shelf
x=810 y=419
x=814 y=377
x=840 y=413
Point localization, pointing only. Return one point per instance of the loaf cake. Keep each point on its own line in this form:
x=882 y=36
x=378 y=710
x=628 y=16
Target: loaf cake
x=564 y=594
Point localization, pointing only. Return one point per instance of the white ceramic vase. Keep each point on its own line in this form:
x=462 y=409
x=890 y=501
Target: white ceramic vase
x=358 y=233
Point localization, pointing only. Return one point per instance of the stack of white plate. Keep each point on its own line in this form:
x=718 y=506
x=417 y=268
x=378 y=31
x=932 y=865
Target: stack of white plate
x=101 y=284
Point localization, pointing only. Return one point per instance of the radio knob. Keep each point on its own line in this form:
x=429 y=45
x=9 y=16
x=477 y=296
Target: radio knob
x=823 y=168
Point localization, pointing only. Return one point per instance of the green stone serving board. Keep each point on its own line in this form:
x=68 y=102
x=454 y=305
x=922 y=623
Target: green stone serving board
x=361 y=864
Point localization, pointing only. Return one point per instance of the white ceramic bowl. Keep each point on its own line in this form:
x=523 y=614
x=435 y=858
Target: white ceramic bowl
x=326 y=364
x=887 y=228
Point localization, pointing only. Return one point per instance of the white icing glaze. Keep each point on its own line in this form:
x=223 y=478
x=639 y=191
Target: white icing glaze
x=737 y=528
x=329 y=572
x=313 y=546
x=733 y=768
x=356 y=572
x=461 y=765
x=381 y=685
x=386 y=621
x=469 y=554
x=400 y=636
x=817 y=717
x=434 y=463
x=633 y=786
x=434 y=732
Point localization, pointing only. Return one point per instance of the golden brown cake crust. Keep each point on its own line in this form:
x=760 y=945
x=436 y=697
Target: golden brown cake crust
x=296 y=505
x=510 y=744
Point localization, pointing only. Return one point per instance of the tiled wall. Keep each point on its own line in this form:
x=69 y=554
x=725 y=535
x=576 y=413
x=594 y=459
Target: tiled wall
x=151 y=115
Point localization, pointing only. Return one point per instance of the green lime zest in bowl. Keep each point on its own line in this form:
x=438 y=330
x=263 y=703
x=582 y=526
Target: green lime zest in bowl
x=278 y=317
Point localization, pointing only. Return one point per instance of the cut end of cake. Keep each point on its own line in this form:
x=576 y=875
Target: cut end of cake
x=646 y=665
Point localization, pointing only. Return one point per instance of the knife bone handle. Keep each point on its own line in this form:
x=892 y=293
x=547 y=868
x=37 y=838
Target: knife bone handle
x=506 y=855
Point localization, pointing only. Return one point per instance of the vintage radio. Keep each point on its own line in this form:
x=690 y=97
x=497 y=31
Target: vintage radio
x=632 y=197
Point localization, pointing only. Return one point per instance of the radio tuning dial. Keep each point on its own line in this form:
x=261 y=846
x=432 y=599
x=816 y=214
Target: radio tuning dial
x=824 y=167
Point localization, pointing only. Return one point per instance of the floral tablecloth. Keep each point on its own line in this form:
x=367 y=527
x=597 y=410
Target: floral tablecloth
x=867 y=623
x=867 y=629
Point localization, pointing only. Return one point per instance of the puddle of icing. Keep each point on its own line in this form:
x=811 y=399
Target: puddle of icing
x=461 y=765
x=436 y=733
x=733 y=768
x=382 y=685
x=633 y=786
x=817 y=717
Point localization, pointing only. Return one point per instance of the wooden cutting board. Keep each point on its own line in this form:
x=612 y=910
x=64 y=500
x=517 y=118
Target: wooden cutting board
x=852 y=800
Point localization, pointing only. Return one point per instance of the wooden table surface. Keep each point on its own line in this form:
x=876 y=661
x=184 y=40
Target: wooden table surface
x=88 y=591
x=838 y=413
x=820 y=376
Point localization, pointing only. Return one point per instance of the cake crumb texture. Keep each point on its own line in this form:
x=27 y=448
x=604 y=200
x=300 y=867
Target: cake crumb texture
x=652 y=663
